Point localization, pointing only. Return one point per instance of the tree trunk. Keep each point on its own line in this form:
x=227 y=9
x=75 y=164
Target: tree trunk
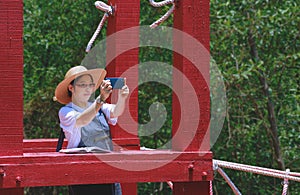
x=270 y=106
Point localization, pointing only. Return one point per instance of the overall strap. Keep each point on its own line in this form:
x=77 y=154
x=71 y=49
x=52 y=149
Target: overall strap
x=60 y=140
x=101 y=112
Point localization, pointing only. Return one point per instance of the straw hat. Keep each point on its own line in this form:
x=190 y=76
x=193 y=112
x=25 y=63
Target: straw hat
x=61 y=91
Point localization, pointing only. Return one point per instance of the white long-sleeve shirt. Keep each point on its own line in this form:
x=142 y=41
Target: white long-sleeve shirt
x=68 y=115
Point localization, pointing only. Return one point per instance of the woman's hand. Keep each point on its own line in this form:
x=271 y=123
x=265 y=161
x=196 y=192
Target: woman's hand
x=105 y=89
x=119 y=108
x=124 y=92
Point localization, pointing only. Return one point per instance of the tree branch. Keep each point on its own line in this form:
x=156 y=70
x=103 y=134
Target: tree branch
x=270 y=107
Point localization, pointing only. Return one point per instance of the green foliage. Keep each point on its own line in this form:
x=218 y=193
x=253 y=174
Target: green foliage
x=154 y=188
x=245 y=137
x=55 y=36
x=53 y=190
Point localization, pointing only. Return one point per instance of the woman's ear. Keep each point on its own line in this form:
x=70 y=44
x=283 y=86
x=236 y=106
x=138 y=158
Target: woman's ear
x=71 y=88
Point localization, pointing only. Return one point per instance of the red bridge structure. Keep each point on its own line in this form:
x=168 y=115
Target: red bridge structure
x=25 y=163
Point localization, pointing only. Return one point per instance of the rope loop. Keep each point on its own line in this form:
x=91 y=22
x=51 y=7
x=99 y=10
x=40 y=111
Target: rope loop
x=160 y=4
x=104 y=7
x=166 y=15
x=109 y=11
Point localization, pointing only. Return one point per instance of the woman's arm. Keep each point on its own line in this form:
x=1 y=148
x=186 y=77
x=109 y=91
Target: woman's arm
x=87 y=115
x=119 y=108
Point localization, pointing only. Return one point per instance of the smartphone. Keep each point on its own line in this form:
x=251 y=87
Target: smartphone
x=116 y=82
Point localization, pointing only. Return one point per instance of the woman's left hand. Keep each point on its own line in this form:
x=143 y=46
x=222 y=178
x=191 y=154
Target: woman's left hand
x=124 y=92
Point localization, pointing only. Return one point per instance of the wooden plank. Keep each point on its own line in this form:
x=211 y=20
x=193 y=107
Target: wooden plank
x=41 y=145
x=31 y=143
x=13 y=191
x=155 y=155
x=49 y=145
x=142 y=166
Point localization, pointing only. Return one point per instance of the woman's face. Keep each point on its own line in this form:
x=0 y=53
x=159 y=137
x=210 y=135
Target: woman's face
x=82 y=88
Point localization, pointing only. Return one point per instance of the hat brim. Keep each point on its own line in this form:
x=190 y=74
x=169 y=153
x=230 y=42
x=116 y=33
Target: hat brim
x=61 y=91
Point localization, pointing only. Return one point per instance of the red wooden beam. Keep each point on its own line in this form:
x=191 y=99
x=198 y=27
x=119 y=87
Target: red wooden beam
x=49 y=145
x=40 y=145
x=11 y=80
x=38 y=169
x=191 y=17
x=126 y=16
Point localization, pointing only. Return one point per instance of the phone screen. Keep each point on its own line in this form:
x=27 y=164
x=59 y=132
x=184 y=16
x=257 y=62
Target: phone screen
x=116 y=82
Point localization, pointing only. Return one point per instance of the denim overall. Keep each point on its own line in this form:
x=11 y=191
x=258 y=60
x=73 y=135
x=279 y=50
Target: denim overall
x=96 y=133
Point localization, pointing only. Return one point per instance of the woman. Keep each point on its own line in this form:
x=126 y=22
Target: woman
x=85 y=123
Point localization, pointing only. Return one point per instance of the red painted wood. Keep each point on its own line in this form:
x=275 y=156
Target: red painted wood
x=11 y=81
x=192 y=17
x=13 y=191
x=38 y=169
x=127 y=15
x=187 y=19
x=49 y=145
x=191 y=188
x=41 y=145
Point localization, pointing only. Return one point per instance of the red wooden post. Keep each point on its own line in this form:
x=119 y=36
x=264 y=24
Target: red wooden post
x=192 y=17
x=127 y=15
x=11 y=81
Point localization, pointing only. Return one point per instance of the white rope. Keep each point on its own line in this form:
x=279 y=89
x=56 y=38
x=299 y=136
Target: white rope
x=160 y=4
x=256 y=170
x=104 y=7
x=229 y=182
x=286 y=175
x=108 y=11
x=285 y=183
x=89 y=46
x=170 y=184
x=163 y=18
x=270 y=170
x=210 y=188
x=166 y=15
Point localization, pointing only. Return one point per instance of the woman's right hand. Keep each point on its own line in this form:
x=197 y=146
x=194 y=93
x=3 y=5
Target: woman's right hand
x=105 y=89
